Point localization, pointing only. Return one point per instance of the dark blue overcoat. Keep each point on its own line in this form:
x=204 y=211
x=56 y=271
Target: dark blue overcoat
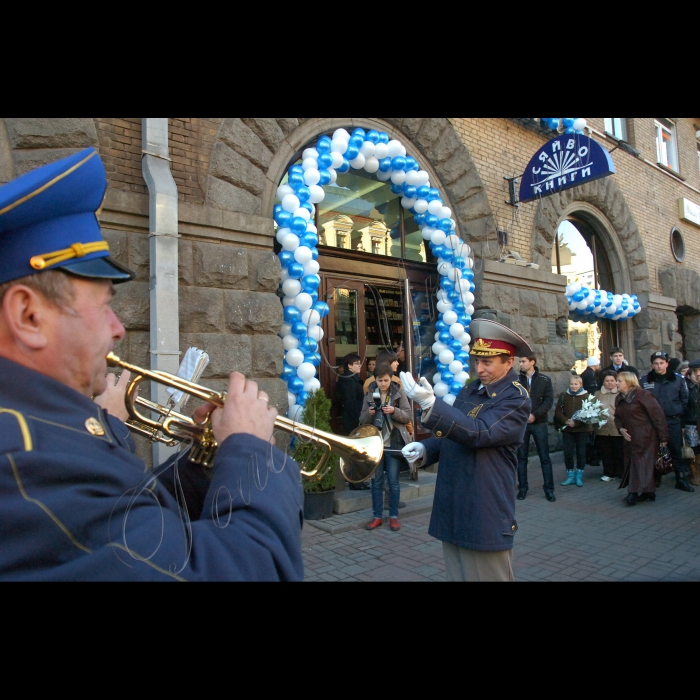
x=475 y=442
x=81 y=507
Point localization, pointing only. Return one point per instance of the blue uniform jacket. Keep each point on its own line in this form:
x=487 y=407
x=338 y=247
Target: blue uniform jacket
x=476 y=442
x=79 y=507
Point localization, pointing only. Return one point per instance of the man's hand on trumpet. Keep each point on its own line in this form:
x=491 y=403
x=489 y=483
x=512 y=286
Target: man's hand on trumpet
x=246 y=411
x=113 y=399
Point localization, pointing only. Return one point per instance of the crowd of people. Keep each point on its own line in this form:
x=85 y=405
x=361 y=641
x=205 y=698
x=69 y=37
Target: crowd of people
x=645 y=414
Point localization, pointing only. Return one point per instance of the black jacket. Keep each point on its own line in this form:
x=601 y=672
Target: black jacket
x=541 y=394
x=590 y=381
x=625 y=368
x=691 y=412
x=350 y=397
x=669 y=390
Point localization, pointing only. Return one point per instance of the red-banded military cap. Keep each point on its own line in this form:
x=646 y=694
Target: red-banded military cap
x=492 y=339
x=48 y=221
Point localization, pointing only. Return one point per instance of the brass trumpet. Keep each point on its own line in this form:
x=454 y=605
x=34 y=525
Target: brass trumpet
x=359 y=454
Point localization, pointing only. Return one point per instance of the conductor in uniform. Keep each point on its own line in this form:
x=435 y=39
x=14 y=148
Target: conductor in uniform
x=476 y=442
x=76 y=504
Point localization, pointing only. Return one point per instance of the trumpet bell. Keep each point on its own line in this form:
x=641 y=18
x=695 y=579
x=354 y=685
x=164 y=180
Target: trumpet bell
x=359 y=458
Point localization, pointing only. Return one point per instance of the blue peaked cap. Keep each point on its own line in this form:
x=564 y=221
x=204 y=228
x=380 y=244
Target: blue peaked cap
x=48 y=221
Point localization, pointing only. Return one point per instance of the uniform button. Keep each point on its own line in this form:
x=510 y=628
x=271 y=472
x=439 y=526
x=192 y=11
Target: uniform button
x=94 y=427
x=439 y=433
x=494 y=396
x=514 y=528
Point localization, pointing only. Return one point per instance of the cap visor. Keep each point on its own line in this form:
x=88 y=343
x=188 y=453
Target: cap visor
x=100 y=269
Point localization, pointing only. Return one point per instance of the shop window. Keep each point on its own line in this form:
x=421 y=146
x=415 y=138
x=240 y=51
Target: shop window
x=617 y=127
x=666 y=149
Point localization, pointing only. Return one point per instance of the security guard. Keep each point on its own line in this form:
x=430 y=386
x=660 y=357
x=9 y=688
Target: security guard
x=476 y=442
x=75 y=503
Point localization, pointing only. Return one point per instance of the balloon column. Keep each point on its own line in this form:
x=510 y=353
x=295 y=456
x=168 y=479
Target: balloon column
x=376 y=153
x=571 y=125
x=585 y=303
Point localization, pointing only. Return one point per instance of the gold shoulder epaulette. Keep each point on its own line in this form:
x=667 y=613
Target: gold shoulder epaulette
x=26 y=436
x=523 y=391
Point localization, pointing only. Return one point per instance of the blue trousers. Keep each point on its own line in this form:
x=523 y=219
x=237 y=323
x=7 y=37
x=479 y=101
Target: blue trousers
x=391 y=466
x=540 y=433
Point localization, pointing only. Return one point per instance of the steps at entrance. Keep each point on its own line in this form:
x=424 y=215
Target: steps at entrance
x=347 y=501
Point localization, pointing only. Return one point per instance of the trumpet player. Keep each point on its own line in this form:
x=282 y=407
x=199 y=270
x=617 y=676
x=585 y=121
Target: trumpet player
x=75 y=503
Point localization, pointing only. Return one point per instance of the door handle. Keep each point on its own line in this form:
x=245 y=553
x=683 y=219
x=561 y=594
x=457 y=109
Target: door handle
x=331 y=340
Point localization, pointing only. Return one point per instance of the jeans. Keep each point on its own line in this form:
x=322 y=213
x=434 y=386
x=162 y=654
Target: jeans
x=575 y=450
x=540 y=432
x=392 y=466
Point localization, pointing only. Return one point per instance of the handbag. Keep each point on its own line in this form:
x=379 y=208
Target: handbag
x=664 y=463
x=688 y=452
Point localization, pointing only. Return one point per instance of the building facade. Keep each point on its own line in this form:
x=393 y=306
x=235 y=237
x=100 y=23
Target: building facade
x=641 y=225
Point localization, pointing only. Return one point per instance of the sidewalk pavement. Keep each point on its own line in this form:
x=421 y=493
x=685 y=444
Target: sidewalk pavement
x=587 y=535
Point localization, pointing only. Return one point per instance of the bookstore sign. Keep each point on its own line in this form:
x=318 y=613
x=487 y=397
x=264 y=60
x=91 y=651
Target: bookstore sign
x=565 y=162
x=689 y=211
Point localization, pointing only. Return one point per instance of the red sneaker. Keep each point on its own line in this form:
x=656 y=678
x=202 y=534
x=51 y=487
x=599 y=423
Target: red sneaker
x=375 y=524
x=394 y=524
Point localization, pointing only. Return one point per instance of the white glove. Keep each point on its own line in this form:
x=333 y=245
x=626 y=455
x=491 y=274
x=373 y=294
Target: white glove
x=414 y=452
x=420 y=393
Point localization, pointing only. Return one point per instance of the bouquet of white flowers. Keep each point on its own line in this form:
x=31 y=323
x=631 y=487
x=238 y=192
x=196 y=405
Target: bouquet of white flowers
x=592 y=413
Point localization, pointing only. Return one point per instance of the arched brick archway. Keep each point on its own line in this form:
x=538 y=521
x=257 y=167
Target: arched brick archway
x=617 y=228
x=251 y=155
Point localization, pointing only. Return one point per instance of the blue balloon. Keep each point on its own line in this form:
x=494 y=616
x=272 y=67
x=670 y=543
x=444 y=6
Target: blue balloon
x=345 y=166
x=314 y=253
x=447 y=376
x=277 y=210
x=373 y=136
x=324 y=145
x=423 y=192
x=398 y=163
x=352 y=152
x=459 y=307
x=296 y=170
x=299 y=330
x=384 y=137
x=468 y=274
x=283 y=219
x=455 y=388
x=314 y=297
x=287 y=372
x=304 y=194
x=441 y=367
x=385 y=165
x=291 y=314
x=448 y=255
x=322 y=308
x=447 y=284
x=302 y=398
x=396 y=189
x=286 y=258
x=445 y=225
x=308 y=345
x=419 y=219
x=461 y=263
x=314 y=359
x=441 y=326
x=360 y=132
x=295 y=385
x=439 y=250
x=296 y=270
x=433 y=194
x=466 y=320
x=325 y=178
x=309 y=207
x=411 y=191
x=455 y=345
x=431 y=220
x=311 y=283
x=309 y=240
x=463 y=357
x=472 y=288
x=296 y=180
x=325 y=160
x=411 y=163
x=357 y=141
x=445 y=337
x=579 y=296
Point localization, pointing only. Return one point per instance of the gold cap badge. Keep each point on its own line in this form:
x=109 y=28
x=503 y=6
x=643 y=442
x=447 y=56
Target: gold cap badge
x=94 y=427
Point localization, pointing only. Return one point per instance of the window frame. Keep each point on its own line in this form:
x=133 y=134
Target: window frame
x=663 y=124
x=611 y=123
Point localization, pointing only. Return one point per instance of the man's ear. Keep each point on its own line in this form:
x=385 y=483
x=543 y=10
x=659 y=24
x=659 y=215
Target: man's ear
x=25 y=313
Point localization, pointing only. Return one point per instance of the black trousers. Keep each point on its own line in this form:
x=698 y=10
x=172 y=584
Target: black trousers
x=575 y=450
x=612 y=453
x=675 y=443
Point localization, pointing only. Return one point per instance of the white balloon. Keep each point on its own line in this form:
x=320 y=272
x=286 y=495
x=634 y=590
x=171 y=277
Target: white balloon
x=421 y=206
x=447 y=357
x=312 y=177
x=334 y=176
x=291 y=288
x=372 y=165
x=295 y=358
x=311 y=318
x=303 y=213
x=617 y=300
x=291 y=399
x=381 y=151
x=316 y=333
x=310 y=153
x=394 y=149
x=412 y=178
x=339 y=146
x=303 y=255
x=311 y=228
x=470 y=310
x=456 y=367
x=441 y=390
x=398 y=177
x=296 y=413
x=281 y=233
x=285 y=330
x=306 y=371
x=342 y=134
x=291 y=203
x=289 y=301
x=310 y=164
x=437 y=378
x=403 y=151
x=290 y=343
x=450 y=399
x=580 y=124
x=423 y=178
x=442 y=295
x=444 y=268
x=427 y=233
x=455 y=274
x=569 y=290
x=304 y=301
x=465 y=288
x=450 y=317
x=437 y=338
x=438 y=237
x=367 y=149
x=445 y=213
x=337 y=158
x=311 y=268
x=283 y=191
x=468 y=299
x=461 y=377
x=576 y=287
x=359 y=162
x=456 y=330
x=466 y=340
x=312 y=385
x=383 y=177
x=407 y=203
x=435 y=207
x=437 y=348
x=290 y=242
x=443 y=307
x=318 y=194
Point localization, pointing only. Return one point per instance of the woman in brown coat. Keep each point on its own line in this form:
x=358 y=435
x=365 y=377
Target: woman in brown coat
x=641 y=421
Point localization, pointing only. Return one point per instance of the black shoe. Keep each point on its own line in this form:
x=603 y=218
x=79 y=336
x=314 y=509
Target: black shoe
x=683 y=485
x=651 y=497
x=522 y=495
x=631 y=500
x=550 y=497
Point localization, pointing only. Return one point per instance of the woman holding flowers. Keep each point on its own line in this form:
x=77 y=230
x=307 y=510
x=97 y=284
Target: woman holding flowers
x=608 y=440
x=575 y=432
x=642 y=423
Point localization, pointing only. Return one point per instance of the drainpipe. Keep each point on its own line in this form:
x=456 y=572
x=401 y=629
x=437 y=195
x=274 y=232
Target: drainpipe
x=163 y=243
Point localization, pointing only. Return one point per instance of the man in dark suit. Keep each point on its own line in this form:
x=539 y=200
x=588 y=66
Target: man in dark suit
x=619 y=364
x=75 y=503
